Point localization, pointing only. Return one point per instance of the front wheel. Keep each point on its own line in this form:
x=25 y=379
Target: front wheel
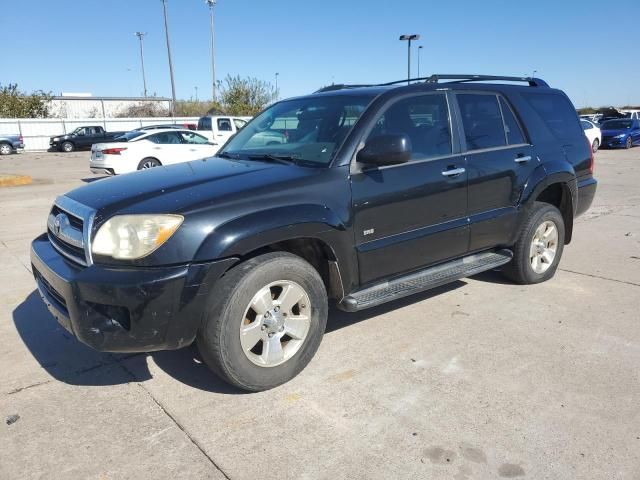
x=629 y=143
x=68 y=147
x=538 y=250
x=595 y=145
x=264 y=322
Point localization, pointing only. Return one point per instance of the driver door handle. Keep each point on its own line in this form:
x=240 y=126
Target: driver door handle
x=523 y=158
x=453 y=172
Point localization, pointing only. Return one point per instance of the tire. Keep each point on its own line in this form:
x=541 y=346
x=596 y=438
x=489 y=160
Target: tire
x=629 y=143
x=532 y=263
x=148 y=162
x=595 y=145
x=5 y=149
x=231 y=309
x=68 y=147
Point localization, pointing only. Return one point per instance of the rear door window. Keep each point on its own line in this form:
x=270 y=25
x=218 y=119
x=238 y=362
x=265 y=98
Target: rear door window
x=511 y=125
x=557 y=113
x=482 y=121
x=166 y=138
x=204 y=124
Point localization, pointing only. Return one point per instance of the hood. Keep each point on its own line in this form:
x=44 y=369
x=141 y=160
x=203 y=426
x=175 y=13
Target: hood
x=187 y=186
x=614 y=131
x=62 y=135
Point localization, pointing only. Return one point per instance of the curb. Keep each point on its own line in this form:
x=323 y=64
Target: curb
x=14 y=180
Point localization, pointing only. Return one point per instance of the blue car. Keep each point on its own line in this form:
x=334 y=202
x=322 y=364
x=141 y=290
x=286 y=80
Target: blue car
x=620 y=133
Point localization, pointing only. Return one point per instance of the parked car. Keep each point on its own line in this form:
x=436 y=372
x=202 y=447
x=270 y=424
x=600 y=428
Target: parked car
x=620 y=133
x=82 y=138
x=138 y=150
x=380 y=192
x=632 y=114
x=189 y=126
x=593 y=134
x=219 y=129
x=10 y=143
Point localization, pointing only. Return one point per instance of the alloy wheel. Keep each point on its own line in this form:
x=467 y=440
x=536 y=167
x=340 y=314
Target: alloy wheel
x=275 y=323
x=544 y=246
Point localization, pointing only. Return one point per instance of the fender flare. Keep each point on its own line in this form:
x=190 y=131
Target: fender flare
x=256 y=230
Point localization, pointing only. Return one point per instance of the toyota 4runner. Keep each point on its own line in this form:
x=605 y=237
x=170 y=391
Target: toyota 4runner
x=375 y=193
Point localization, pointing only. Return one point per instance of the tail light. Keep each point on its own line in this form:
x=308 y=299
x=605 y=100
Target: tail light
x=113 y=151
x=592 y=158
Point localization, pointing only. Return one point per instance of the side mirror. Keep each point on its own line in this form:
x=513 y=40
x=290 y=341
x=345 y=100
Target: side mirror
x=390 y=149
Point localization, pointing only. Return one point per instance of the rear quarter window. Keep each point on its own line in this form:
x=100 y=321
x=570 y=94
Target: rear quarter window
x=557 y=113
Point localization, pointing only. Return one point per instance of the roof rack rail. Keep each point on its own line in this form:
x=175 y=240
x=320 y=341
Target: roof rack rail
x=339 y=86
x=458 y=78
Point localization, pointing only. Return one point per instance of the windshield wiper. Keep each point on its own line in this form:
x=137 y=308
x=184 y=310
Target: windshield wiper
x=286 y=159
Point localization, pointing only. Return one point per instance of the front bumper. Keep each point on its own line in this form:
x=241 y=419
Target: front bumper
x=612 y=142
x=119 y=309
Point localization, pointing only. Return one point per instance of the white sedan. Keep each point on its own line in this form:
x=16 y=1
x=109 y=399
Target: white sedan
x=146 y=149
x=593 y=133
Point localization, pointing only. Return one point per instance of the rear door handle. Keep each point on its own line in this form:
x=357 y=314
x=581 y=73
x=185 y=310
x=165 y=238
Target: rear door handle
x=523 y=159
x=453 y=172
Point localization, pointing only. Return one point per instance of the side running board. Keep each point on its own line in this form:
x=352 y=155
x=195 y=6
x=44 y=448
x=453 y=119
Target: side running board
x=424 y=279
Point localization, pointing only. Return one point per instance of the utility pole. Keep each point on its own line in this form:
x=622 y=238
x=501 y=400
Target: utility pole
x=140 y=36
x=409 y=39
x=173 y=83
x=277 y=94
x=212 y=4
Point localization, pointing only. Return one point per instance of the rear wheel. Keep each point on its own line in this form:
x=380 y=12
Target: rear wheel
x=68 y=147
x=264 y=321
x=538 y=250
x=148 y=163
x=595 y=145
x=5 y=149
x=629 y=143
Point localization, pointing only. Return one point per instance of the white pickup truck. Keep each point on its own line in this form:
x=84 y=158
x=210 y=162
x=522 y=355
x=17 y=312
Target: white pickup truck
x=219 y=129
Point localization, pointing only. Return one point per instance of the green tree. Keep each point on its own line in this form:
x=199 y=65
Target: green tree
x=17 y=104
x=245 y=96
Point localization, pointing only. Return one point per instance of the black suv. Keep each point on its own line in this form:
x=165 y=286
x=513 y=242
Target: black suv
x=373 y=193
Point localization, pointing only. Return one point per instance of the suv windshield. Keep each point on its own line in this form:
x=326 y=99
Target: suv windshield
x=308 y=129
x=617 y=124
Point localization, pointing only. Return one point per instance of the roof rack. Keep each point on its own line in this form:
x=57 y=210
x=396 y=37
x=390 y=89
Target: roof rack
x=339 y=86
x=454 y=78
x=458 y=78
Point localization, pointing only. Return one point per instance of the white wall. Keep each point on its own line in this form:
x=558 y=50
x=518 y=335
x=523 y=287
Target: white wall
x=96 y=107
x=36 y=132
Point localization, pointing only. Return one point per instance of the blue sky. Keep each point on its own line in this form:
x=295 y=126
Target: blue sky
x=588 y=48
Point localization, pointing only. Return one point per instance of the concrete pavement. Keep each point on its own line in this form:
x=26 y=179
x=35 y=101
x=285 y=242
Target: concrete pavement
x=478 y=379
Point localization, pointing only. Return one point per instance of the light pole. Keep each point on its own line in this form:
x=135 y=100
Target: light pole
x=409 y=39
x=140 y=36
x=173 y=83
x=277 y=95
x=212 y=4
x=196 y=93
x=419 y=52
x=533 y=74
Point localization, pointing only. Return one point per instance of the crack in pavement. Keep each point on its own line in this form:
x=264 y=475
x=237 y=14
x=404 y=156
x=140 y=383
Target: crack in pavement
x=600 y=277
x=175 y=421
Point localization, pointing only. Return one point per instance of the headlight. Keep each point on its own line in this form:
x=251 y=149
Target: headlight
x=620 y=136
x=56 y=139
x=128 y=237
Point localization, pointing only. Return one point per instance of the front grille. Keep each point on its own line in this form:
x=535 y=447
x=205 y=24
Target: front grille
x=65 y=229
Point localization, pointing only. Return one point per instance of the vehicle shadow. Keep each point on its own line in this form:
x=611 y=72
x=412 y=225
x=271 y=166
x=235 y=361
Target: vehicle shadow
x=69 y=361
x=493 y=276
